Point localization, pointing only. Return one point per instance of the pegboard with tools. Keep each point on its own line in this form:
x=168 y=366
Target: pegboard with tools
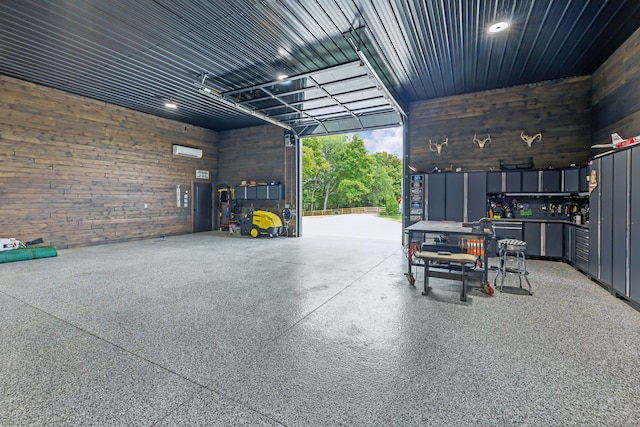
x=574 y=209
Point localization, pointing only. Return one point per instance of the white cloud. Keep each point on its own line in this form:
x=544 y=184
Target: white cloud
x=388 y=140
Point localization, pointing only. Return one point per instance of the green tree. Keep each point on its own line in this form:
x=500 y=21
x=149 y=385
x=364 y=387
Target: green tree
x=319 y=178
x=338 y=172
x=354 y=172
x=387 y=175
x=314 y=164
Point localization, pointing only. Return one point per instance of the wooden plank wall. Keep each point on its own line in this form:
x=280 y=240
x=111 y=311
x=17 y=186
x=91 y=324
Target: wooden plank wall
x=258 y=154
x=78 y=172
x=616 y=94
x=559 y=109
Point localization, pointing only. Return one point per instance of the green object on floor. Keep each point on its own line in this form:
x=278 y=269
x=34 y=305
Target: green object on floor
x=24 y=254
x=526 y=212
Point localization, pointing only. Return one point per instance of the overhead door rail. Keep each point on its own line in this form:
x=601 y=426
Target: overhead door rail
x=344 y=98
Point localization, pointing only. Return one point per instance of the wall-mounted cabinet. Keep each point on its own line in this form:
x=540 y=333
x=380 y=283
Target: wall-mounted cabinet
x=530 y=182
x=494 y=182
x=584 y=179
x=260 y=192
x=576 y=180
x=455 y=196
x=513 y=181
x=551 y=181
x=570 y=180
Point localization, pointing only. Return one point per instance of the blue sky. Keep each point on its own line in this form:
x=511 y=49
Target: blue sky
x=388 y=140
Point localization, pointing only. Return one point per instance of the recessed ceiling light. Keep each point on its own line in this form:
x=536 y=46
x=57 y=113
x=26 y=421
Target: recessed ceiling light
x=171 y=105
x=498 y=26
x=282 y=76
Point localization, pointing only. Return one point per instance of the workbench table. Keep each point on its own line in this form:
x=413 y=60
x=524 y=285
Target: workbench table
x=423 y=230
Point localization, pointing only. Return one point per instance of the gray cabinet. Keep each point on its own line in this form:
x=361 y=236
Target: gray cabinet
x=634 y=228
x=260 y=192
x=544 y=239
x=584 y=179
x=615 y=222
x=446 y=196
x=494 y=182
x=275 y=192
x=569 y=234
x=553 y=240
x=605 y=182
x=551 y=181
x=571 y=180
x=619 y=223
x=513 y=181
x=436 y=186
x=532 y=236
x=594 y=221
x=476 y=195
x=581 y=248
x=530 y=182
x=576 y=246
x=454 y=196
x=252 y=192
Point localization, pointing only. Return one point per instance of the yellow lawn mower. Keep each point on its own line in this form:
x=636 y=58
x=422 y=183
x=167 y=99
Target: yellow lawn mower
x=258 y=223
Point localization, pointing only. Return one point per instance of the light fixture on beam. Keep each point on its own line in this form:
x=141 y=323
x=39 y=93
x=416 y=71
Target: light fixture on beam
x=381 y=85
x=219 y=97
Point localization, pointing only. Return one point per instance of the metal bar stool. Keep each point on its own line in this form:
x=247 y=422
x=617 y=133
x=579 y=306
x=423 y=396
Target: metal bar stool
x=512 y=260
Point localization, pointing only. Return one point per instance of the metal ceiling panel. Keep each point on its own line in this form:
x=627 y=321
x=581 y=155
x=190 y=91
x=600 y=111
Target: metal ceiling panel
x=140 y=53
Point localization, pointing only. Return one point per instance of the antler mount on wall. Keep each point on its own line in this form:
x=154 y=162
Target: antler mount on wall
x=438 y=145
x=530 y=139
x=482 y=142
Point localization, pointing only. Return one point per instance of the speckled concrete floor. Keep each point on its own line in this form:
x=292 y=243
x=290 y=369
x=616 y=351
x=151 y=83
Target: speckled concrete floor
x=212 y=330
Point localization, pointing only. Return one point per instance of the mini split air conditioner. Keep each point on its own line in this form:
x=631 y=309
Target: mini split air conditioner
x=179 y=150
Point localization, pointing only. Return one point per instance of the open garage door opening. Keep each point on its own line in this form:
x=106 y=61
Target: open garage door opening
x=355 y=173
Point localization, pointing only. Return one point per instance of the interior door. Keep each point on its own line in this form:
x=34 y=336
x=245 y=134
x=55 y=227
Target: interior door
x=202 y=206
